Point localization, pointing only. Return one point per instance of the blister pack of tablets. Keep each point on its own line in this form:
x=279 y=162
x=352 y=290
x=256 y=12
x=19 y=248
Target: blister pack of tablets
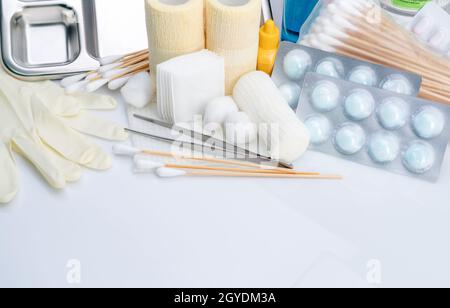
x=374 y=127
x=295 y=61
x=432 y=26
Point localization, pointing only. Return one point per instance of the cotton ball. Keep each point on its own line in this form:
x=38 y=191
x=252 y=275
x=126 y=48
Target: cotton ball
x=291 y=93
x=239 y=128
x=139 y=90
x=218 y=109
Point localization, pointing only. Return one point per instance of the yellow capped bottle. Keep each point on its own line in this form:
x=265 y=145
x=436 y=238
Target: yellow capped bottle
x=269 y=43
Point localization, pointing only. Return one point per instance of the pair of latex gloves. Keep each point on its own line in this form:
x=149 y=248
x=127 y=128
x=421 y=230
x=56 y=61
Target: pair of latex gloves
x=46 y=126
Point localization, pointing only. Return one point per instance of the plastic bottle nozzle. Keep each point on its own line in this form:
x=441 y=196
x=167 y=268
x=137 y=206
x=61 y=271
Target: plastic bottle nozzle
x=269 y=35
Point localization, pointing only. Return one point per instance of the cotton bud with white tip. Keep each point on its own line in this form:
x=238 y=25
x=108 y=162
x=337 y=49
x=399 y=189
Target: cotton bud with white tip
x=118 y=83
x=92 y=76
x=170 y=173
x=240 y=129
x=218 y=109
x=139 y=90
x=77 y=87
x=72 y=79
x=125 y=150
x=110 y=59
x=107 y=68
x=95 y=85
x=144 y=165
x=114 y=72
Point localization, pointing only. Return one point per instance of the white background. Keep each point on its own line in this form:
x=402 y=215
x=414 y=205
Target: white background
x=373 y=229
x=130 y=230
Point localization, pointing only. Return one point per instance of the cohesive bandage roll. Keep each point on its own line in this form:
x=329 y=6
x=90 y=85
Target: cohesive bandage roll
x=232 y=31
x=257 y=95
x=174 y=28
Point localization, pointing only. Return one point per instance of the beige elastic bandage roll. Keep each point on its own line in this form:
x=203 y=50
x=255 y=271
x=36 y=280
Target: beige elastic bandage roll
x=174 y=28
x=232 y=31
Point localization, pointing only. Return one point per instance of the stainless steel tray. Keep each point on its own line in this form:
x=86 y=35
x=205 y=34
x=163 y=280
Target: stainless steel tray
x=49 y=39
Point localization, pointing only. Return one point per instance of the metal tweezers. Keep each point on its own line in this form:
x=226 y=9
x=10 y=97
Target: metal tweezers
x=210 y=141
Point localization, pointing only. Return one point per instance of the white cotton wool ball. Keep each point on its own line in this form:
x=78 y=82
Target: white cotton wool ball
x=218 y=109
x=240 y=129
x=139 y=90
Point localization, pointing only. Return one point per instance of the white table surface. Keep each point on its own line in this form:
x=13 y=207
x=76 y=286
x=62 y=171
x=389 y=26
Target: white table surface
x=138 y=230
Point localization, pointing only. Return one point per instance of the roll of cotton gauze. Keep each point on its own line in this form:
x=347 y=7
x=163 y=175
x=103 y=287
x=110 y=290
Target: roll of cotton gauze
x=174 y=28
x=232 y=31
x=218 y=109
x=286 y=137
x=139 y=90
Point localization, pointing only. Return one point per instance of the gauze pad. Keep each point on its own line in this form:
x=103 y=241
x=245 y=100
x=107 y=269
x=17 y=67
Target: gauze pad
x=174 y=28
x=375 y=127
x=186 y=84
x=284 y=134
x=232 y=31
x=295 y=61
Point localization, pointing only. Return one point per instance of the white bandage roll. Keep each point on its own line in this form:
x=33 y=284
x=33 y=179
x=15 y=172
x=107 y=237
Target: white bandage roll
x=174 y=28
x=232 y=31
x=279 y=127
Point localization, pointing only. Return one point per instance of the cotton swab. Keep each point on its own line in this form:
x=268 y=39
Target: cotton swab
x=97 y=82
x=173 y=173
x=95 y=85
x=125 y=150
x=144 y=165
x=112 y=68
x=72 y=79
x=118 y=83
x=114 y=72
x=110 y=59
x=106 y=68
x=170 y=173
x=360 y=29
x=118 y=72
x=77 y=87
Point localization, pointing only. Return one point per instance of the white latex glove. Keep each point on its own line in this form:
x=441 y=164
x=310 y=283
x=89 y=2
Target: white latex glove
x=42 y=123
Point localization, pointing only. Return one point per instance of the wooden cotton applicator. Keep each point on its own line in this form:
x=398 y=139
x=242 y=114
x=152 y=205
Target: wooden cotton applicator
x=360 y=29
x=144 y=165
x=173 y=173
x=125 y=150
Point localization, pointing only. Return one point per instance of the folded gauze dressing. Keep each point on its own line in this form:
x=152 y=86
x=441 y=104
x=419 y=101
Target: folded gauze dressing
x=232 y=31
x=186 y=84
x=174 y=28
x=286 y=137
